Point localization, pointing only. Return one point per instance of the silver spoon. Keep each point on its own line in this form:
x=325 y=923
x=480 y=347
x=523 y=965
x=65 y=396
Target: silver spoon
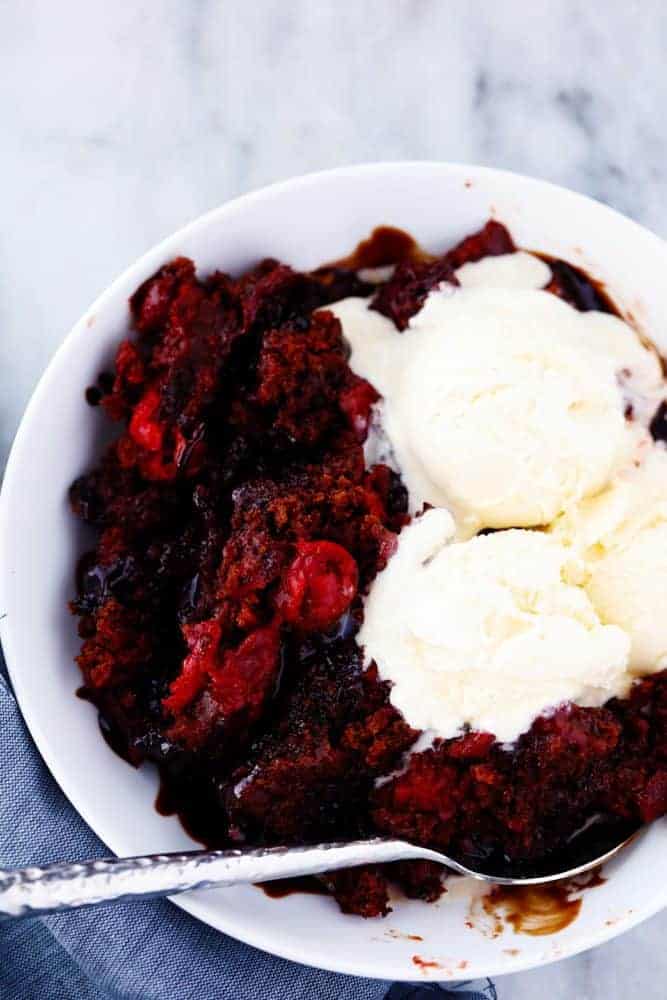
x=28 y=892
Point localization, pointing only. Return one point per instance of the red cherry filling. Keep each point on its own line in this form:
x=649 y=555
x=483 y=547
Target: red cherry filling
x=165 y=445
x=318 y=587
x=240 y=679
x=356 y=403
x=202 y=639
x=248 y=672
x=145 y=429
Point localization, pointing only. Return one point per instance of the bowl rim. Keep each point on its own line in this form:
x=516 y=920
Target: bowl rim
x=150 y=260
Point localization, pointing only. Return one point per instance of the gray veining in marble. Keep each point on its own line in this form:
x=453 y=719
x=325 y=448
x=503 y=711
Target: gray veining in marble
x=122 y=121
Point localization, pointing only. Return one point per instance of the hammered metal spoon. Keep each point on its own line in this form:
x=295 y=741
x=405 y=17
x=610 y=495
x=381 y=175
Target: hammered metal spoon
x=28 y=892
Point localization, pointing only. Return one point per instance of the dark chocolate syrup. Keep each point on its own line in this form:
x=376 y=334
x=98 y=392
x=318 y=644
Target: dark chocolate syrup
x=283 y=887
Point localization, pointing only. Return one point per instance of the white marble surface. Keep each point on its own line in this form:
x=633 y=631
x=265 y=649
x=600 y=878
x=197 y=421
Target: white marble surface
x=121 y=121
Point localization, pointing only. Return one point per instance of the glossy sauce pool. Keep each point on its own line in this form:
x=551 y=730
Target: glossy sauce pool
x=538 y=910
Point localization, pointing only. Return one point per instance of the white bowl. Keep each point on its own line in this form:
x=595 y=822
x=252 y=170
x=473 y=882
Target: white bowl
x=304 y=222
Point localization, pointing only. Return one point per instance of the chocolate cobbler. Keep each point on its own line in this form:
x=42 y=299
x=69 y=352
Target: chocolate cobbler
x=240 y=528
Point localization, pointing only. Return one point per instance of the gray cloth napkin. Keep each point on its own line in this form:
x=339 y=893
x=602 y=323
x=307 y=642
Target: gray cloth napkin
x=134 y=951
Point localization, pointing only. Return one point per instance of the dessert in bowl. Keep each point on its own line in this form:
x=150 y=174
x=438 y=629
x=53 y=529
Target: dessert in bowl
x=370 y=548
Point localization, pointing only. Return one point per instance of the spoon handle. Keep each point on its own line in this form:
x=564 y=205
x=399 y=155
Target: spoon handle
x=28 y=892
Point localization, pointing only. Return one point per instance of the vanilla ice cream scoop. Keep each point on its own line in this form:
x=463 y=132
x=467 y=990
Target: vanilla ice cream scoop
x=488 y=633
x=621 y=535
x=502 y=404
x=505 y=270
x=508 y=417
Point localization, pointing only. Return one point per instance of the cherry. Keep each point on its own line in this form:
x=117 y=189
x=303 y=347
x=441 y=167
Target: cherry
x=356 y=403
x=202 y=639
x=248 y=673
x=240 y=678
x=145 y=429
x=318 y=587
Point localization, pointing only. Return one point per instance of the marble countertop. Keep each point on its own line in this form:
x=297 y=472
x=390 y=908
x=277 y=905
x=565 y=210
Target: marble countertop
x=125 y=120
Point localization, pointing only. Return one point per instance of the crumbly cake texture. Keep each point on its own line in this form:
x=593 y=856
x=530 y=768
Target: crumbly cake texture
x=238 y=529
